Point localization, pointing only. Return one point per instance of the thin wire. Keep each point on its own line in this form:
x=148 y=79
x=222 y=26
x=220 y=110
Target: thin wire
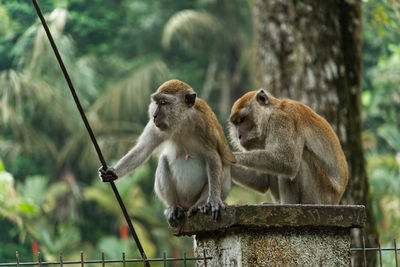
x=395 y=252
x=89 y=129
x=380 y=252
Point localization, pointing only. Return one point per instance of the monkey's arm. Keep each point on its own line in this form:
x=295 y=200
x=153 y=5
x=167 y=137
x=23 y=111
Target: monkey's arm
x=149 y=140
x=283 y=150
x=256 y=180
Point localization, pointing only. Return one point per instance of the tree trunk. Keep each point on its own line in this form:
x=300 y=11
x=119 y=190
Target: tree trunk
x=310 y=51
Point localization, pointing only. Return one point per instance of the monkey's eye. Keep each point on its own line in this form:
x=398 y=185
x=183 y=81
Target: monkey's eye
x=162 y=102
x=238 y=120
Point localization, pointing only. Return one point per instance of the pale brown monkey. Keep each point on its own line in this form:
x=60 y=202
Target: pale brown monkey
x=193 y=171
x=288 y=148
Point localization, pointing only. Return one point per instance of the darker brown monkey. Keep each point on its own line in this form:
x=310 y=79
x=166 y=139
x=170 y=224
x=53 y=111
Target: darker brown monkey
x=287 y=148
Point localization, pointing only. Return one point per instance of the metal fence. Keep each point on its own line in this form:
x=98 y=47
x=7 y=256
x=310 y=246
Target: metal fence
x=82 y=262
x=392 y=258
x=394 y=251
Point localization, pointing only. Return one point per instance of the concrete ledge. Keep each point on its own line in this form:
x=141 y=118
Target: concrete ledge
x=272 y=216
x=275 y=235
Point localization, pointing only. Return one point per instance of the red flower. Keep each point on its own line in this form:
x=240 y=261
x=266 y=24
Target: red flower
x=35 y=247
x=123 y=232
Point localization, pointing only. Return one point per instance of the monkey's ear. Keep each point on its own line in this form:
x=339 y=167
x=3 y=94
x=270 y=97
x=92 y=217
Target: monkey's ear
x=190 y=99
x=262 y=98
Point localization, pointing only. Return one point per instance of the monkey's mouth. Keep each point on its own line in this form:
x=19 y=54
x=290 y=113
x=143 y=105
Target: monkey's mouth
x=248 y=144
x=160 y=124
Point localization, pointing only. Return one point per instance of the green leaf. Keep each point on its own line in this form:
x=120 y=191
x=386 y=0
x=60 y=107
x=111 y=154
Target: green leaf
x=34 y=188
x=6 y=181
x=2 y=169
x=27 y=208
x=366 y=98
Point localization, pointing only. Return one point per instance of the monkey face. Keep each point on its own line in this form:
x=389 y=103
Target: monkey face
x=159 y=110
x=243 y=130
x=167 y=110
x=248 y=116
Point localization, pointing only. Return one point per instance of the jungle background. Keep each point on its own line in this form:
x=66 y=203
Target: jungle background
x=117 y=53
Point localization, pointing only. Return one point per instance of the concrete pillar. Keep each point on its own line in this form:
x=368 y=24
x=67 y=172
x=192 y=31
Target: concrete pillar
x=275 y=235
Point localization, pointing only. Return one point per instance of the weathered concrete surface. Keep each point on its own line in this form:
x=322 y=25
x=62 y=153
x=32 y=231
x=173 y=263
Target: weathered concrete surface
x=276 y=247
x=271 y=215
x=275 y=235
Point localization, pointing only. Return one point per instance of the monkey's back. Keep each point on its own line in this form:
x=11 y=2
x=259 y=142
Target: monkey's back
x=212 y=131
x=322 y=141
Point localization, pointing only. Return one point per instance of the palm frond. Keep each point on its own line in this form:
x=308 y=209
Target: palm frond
x=58 y=19
x=9 y=149
x=131 y=96
x=33 y=44
x=10 y=93
x=35 y=56
x=391 y=134
x=209 y=80
x=114 y=138
x=21 y=87
x=6 y=23
x=117 y=137
x=28 y=140
x=190 y=27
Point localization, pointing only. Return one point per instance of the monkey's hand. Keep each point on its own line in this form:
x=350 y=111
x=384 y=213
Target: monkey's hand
x=175 y=215
x=238 y=157
x=107 y=175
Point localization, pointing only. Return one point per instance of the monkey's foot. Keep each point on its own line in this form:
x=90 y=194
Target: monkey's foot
x=175 y=215
x=216 y=206
x=199 y=207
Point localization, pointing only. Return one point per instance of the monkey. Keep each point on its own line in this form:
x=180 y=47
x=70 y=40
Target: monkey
x=194 y=157
x=287 y=148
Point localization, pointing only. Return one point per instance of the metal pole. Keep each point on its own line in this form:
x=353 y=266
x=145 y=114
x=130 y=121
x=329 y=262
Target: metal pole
x=89 y=129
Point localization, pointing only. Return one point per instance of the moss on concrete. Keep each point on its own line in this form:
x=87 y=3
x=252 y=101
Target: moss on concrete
x=269 y=215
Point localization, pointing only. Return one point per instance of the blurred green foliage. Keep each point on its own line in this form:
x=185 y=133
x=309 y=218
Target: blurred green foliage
x=381 y=114
x=117 y=53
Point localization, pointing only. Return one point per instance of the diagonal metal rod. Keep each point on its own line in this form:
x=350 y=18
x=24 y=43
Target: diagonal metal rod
x=89 y=129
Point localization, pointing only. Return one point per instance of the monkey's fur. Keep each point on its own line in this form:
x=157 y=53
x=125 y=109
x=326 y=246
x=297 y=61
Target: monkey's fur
x=193 y=171
x=288 y=148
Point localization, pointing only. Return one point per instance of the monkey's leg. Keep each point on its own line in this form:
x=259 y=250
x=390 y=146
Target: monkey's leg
x=166 y=191
x=200 y=203
x=214 y=173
